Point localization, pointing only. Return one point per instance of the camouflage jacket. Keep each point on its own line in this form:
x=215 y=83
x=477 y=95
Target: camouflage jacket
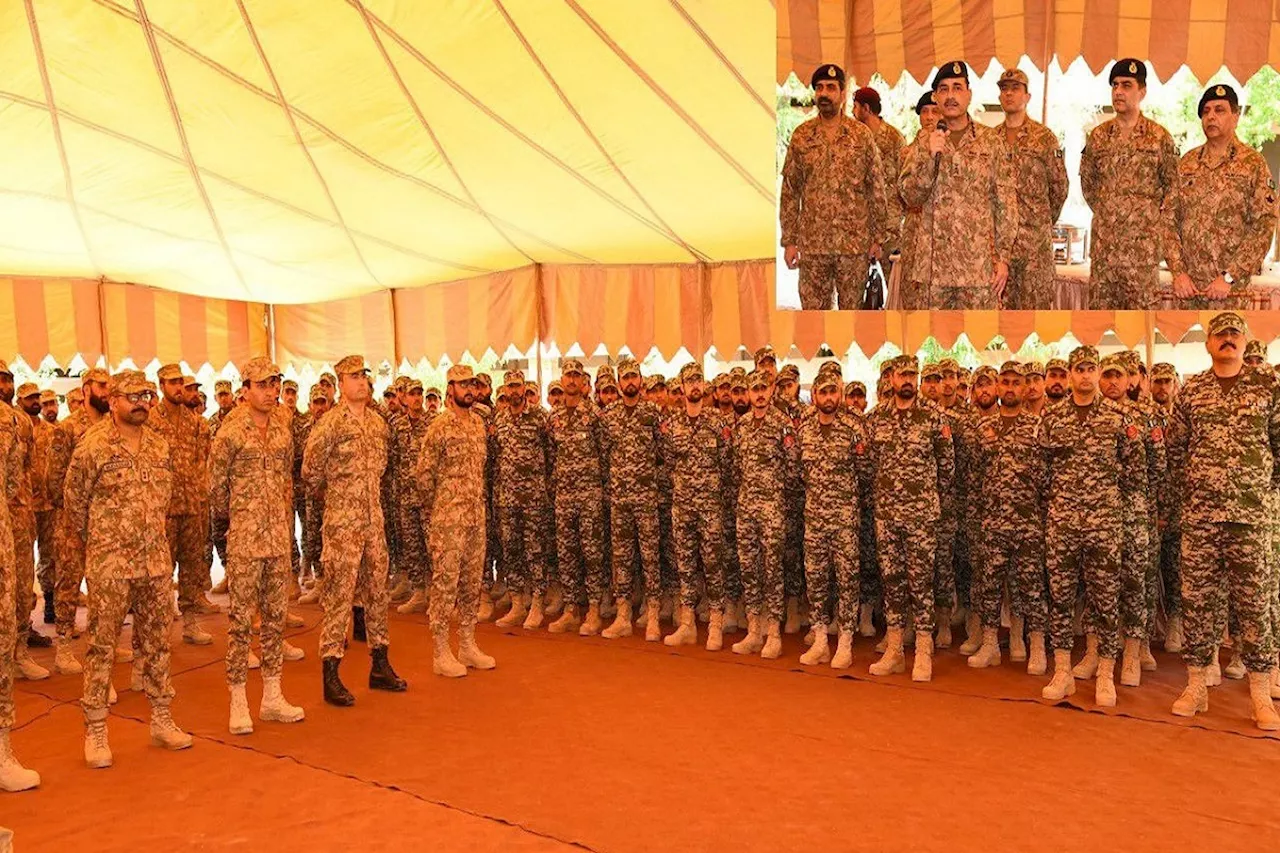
x=178 y=426
x=632 y=447
x=25 y=434
x=700 y=452
x=914 y=462
x=520 y=446
x=345 y=457
x=1042 y=185
x=216 y=420
x=67 y=435
x=1091 y=464
x=834 y=461
x=577 y=452
x=11 y=474
x=1009 y=473
x=42 y=442
x=116 y=502
x=1224 y=443
x=251 y=485
x=301 y=430
x=406 y=434
x=1222 y=218
x=1169 y=503
x=1125 y=180
x=767 y=456
x=833 y=198
x=451 y=466
x=889 y=143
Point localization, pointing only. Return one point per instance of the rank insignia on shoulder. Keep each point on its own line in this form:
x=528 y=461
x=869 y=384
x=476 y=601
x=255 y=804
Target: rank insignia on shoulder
x=1131 y=431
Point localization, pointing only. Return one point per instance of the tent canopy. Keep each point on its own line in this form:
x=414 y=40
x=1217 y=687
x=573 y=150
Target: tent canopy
x=288 y=152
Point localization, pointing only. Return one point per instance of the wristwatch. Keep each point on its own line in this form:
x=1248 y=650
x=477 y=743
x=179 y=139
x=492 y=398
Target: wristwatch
x=1228 y=277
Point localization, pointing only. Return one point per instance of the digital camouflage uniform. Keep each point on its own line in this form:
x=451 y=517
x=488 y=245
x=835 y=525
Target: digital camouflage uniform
x=42 y=502
x=698 y=449
x=390 y=492
x=577 y=446
x=1125 y=179
x=11 y=474
x=251 y=485
x=833 y=207
x=1170 y=512
x=1221 y=220
x=414 y=518
x=1042 y=190
x=793 y=575
x=519 y=446
x=312 y=499
x=955 y=548
x=968 y=217
x=631 y=444
x=767 y=455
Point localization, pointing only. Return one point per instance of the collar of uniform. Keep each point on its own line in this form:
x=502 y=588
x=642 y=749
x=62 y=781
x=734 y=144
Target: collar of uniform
x=1232 y=151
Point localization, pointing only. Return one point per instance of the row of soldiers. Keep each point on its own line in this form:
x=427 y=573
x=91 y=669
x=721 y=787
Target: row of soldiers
x=971 y=209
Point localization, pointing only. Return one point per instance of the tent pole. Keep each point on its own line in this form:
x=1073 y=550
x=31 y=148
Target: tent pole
x=537 y=329
x=1046 y=57
x=271 y=331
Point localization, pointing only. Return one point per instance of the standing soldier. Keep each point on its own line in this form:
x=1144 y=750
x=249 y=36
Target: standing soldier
x=44 y=501
x=914 y=465
x=1219 y=224
x=251 y=485
x=698 y=444
x=410 y=426
x=833 y=451
x=313 y=522
x=1089 y=447
x=889 y=142
x=116 y=503
x=36 y=443
x=1128 y=170
x=962 y=178
x=23 y=522
x=49 y=406
x=1042 y=190
x=913 y=298
x=345 y=457
x=1164 y=385
x=451 y=475
x=1225 y=436
x=1033 y=398
x=834 y=208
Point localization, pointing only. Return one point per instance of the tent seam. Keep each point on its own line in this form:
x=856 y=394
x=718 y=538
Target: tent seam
x=729 y=66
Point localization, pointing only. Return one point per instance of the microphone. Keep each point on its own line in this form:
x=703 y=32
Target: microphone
x=937 y=158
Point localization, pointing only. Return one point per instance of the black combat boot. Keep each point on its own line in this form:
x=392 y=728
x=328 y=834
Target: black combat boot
x=382 y=676
x=335 y=692
x=48 y=606
x=357 y=625
x=36 y=640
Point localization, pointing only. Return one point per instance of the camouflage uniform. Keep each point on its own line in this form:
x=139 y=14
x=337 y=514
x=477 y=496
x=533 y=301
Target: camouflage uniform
x=767 y=455
x=793 y=572
x=1225 y=440
x=22 y=520
x=1125 y=179
x=698 y=450
x=414 y=516
x=577 y=448
x=1170 y=512
x=251 y=485
x=312 y=499
x=519 y=446
x=833 y=207
x=345 y=456
x=1042 y=190
x=43 y=503
x=631 y=445
x=11 y=475
x=1221 y=220
x=889 y=143
x=116 y=502
x=968 y=204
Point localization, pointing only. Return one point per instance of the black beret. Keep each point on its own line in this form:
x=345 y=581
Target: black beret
x=1135 y=68
x=1219 y=92
x=830 y=71
x=948 y=70
x=926 y=100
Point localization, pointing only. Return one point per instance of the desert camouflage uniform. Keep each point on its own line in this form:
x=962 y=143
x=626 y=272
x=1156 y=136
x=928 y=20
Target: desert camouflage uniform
x=313 y=499
x=451 y=477
x=1225 y=442
x=11 y=475
x=185 y=525
x=69 y=568
x=767 y=456
x=1042 y=190
x=956 y=549
x=698 y=450
x=22 y=519
x=968 y=218
x=1125 y=180
x=632 y=447
x=345 y=456
x=389 y=489
x=116 y=503
x=251 y=485
x=41 y=503
x=793 y=575
x=889 y=143
x=1221 y=220
x=519 y=446
x=833 y=207
x=414 y=520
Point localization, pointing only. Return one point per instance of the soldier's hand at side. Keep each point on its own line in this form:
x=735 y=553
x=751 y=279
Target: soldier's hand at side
x=1002 y=278
x=1182 y=286
x=792 y=257
x=1219 y=289
x=876 y=251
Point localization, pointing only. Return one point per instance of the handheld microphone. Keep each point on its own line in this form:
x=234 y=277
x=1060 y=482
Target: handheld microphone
x=937 y=158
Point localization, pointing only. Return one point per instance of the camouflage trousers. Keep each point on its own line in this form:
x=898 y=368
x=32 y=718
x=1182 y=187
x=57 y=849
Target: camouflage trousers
x=966 y=556
x=580 y=542
x=870 y=591
x=494 y=567
x=635 y=531
x=1116 y=287
x=1031 y=286
x=913 y=294
x=1015 y=558
x=351 y=560
x=69 y=574
x=390 y=531
x=698 y=530
x=824 y=276
x=732 y=567
x=1093 y=555
x=761 y=531
x=1237 y=300
x=1171 y=570
x=314 y=545
x=8 y=637
x=24 y=597
x=945 y=297
x=831 y=552
x=667 y=559
x=415 y=557
x=1230 y=561
x=218 y=536
x=1135 y=571
x=944 y=562
x=187 y=535
x=110 y=600
x=44 y=541
x=907 y=559
x=457 y=565
x=256 y=586
x=297 y=531
x=523 y=529
x=793 y=565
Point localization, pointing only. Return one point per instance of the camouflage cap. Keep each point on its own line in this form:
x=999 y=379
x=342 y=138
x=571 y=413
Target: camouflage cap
x=654 y=381
x=1163 y=370
x=571 y=367
x=532 y=386
x=129 y=382
x=1033 y=368
x=289 y=385
x=606 y=381
x=949 y=365
x=855 y=387
x=1255 y=348
x=1083 y=355
x=738 y=380
x=1113 y=361
x=27 y=389
x=602 y=371
x=724 y=380
x=411 y=385
x=351 y=365
x=328 y=377
x=188 y=381
x=318 y=393
x=169 y=371
x=1227 y=320
x=964 y=374
x=789 y=373
x=1132 y=361
x=222 y=386
x=48 y=396
x=825 y=380
x=757 y=379
x=766 y=353
x=397 y=384
x=96 y=374
x=4 y=369
x=628 y=365
x=513 y=377
x=460 y=373
x=1013 y=75
x=484 y=379
x=931 y=368
x=259 y=369
x=691 y=372
x=432 y=392
x=675 y=386
x=1014 y=367
x=554 y=386
x=75 y=393
x=985 y=371
x=887 y=367
x=1056 y=364
x=905 y=364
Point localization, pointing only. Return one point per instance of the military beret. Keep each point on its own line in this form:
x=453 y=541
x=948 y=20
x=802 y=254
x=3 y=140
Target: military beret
x=1014 y=367
x=829 y=71
x=950 y=71
x=985 y=370
x=169 y=371
x=1033 y=368
x=949 y=365
x=48 y=396
x=289 y=385
x=1227 y=320
x=460 y=373
x=554 y=386
x=350 y=365
x=1220 y=92
x=757 y=379
x=826 y=380
x=27 y=389
x=222 y=385
x=1083 y=355
x=1135 y=68
x=1056 y=364
x=571 y=366
x=129 y=382
x=765 y=352
x=329 y=378
x=1013 y=75
x=513 y=377
x=855 y=387
x=738 y=380
x=1253 y=348
x=4 y=368
x=926 y=100
x=1112 y=361
x=627 y=365
x=1163 y=370
x=930 y=368
x=870 y=97
x=259 y=369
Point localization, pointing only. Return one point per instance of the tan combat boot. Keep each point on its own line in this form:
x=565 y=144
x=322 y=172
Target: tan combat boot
x=893 y=661
x=515 y=616
x=1104 y=685
x=652 y=617
x=753 y=642
x=1063 y=683
x=593 y=624
x=97 y=751
x=1264 y=712
x=943 y=618
x=1017 y=643
x=164 y=731
x=567 y=622
x=533 y=621
x=772 y=648
x=13 y=776
x=240 y=723
x=442 y=660
x=922 y=668
x=1036 y=664
x=819 y=652
x=972 y=633
x=1195 y=697
x=687 y=632
x=843 y=658
x=715 y=630
x=469 y=654
x=274 y=707
x=1131 y=663
x=621 y=626
x=1088 y=666
x=988 y=654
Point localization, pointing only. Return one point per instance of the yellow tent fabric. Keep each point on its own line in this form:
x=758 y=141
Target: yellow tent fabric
x=279 y=151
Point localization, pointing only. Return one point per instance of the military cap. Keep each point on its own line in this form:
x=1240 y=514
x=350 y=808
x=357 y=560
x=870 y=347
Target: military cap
x=329 y=378
x=289 y=384
x=318 y=393
x=868 y=96
x=949 y=365
x=1252 y=348
x=654 y=381
x=765 y=352
x=627 y=365
x=855 y=386
x=1033 y=368
x=129 y=382
x=674 y=385
x=756 y=379
x=1163 y=370
x=48 y=396
x=829 y=71
x=950 y=71
x=606 y=381
x=351 y=365
x=27 y=389
x=1083 y=355
x=1112 y=361
x=222 y=385
x=169 y=371
x=1013 y=75
x=513 y=377
x=188 y=381
x=789 y=373
x=391 y=391
x=724 y=380
x=1227 y=320
x=96 y=374
x=1056 y=364
x=1219 y=92
x=985 y=370
x=260 y=369
x=964 y=374
x=738 y=380
x=603 y=370
x=690 y=370
x=397 y=384
x=1130 y=67
x=887 y=367
x=553 y=386
x=1015 y=367
x=532 y=386
x=905 y=364
x=460 y=373
x=930 y=368
x=571 y=366
x=829 y=379
x=484 y=378
x=432 y=392
x=411 y=385
x=926 y=100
